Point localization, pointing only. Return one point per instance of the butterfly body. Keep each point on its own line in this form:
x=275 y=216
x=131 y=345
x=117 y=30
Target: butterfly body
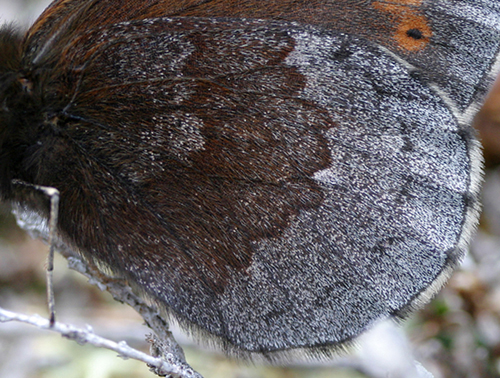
x=273 y=176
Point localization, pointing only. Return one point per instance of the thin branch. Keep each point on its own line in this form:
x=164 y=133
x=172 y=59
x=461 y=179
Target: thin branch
x=169 y=365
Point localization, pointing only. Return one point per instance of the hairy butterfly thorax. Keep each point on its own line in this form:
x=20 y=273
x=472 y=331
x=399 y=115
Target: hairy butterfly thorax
x=30 y=115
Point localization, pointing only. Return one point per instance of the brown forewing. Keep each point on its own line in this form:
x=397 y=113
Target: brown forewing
x=399 y=25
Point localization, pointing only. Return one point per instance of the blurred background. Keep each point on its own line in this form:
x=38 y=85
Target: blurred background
x=456 y=335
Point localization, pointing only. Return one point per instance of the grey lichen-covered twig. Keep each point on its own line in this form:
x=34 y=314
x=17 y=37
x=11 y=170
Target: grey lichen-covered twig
x=169 y=365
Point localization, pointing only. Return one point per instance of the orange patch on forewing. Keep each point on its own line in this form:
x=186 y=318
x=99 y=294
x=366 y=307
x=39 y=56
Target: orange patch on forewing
x=405 y=2
x=411 y=30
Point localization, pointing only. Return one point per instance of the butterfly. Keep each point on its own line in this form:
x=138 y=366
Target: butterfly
x=276 y=176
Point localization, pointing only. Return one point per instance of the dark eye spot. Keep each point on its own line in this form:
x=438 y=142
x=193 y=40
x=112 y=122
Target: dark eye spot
x=415 y=34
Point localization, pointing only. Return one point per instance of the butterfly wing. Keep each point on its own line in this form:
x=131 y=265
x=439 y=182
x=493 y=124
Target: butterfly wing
x=449 y=41
x=276 y=185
